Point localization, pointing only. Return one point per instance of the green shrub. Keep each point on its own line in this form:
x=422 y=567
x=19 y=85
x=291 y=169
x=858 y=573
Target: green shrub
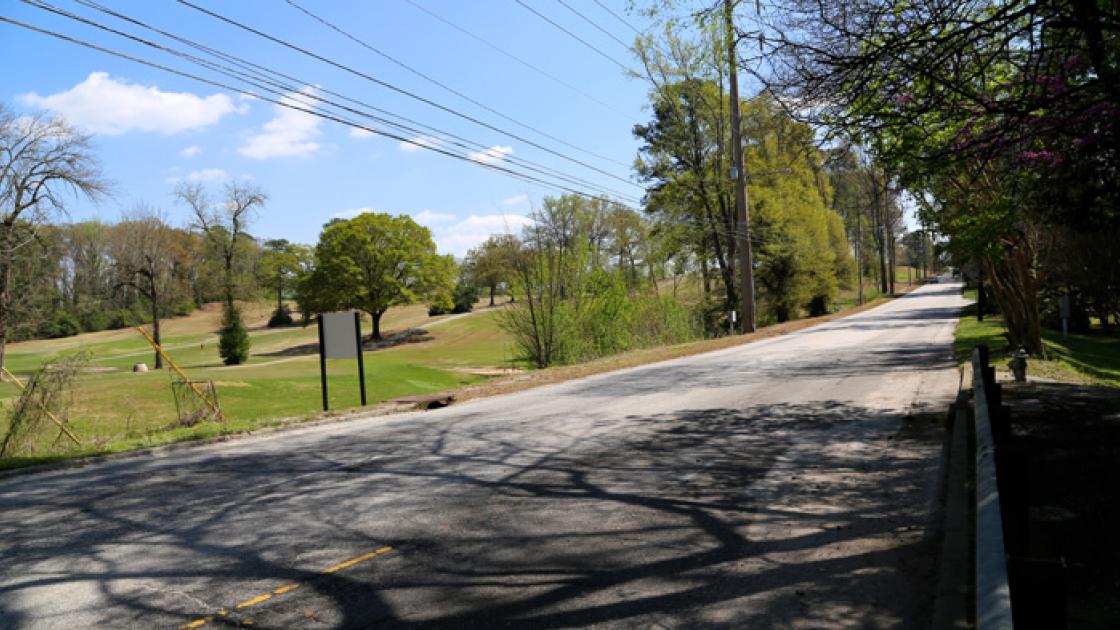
x=818 y=306
x=122 y=318
x=605 y=319
x=464 y=298
x=442 y=304
x=233 y=339
x=63 y=324
x=282 y=316
x=179 y=309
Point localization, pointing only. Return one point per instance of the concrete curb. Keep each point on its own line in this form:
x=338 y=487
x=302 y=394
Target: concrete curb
x=993 y=595
x=951 y=600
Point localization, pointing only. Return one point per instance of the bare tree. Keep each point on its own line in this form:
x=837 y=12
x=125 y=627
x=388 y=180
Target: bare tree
x=223 y=223
x=42 y=160
x=146 y=258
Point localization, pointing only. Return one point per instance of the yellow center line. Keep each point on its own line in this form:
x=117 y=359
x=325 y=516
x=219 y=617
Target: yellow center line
x=285 y=589
x=202 y=621
x=362 y=558
x=256 y=600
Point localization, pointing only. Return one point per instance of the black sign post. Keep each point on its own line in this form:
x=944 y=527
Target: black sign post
x=338 y=341
x=361 y=362
x=323 y=365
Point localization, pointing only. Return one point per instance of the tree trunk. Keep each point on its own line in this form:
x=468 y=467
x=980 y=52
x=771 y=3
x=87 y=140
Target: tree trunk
x=1016 y=291
x=493 y=288
x=981 y=295
x=891 y=258
x=375 y=335
x=859 y=253
x=5 y=291
x=155 y=327
x=883 y=288
x=279 y=293
x=229 y=279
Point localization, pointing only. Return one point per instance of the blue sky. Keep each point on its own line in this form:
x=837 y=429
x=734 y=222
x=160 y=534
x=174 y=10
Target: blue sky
x=152 y=129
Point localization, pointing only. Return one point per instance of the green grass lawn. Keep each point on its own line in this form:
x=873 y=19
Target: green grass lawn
x=1084 y=358
x=120 y=410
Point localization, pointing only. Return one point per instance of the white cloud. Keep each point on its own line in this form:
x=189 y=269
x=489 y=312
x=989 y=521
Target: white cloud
x=361 y=134
x=429 y=217
x=289 y=134
x=458 y=238
x=104 y=105
x=514 y=201
x=191 y=151
x=493 y=155
x=203 y=175
x=418 y=143
x=352 y=212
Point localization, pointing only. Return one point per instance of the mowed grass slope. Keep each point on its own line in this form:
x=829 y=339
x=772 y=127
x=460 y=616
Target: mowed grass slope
x=116 y=409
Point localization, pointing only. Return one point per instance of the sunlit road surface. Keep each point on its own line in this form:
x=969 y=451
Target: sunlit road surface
x=788 y=483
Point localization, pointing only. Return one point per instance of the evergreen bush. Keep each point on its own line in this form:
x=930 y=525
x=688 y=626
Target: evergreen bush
x=233 y=339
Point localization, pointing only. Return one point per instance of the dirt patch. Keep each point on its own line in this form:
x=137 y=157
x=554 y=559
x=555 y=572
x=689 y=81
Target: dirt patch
x=411 y=335
x=487 y=371
x=1058 y=481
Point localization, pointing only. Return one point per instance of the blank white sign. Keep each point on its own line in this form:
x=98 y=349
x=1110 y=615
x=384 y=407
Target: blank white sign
x=339 y=336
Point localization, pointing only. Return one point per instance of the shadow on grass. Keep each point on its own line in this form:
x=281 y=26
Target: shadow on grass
x=1058 y=484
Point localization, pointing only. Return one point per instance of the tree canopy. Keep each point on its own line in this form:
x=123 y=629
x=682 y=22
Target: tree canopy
x=372 y=262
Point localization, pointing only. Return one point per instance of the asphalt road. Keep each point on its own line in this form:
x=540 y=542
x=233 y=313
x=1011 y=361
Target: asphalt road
x=787 y=483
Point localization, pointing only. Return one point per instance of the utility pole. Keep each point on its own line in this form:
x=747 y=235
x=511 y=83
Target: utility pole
x=738 y=173
x=859 y=252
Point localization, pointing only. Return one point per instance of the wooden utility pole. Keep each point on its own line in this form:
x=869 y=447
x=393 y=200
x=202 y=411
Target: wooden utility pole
x=738 y=173
x=859 y=252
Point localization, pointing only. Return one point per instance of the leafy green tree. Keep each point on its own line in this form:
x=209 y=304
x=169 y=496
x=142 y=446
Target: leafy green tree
x=372 y=262
x=490 y=265
x=279 y=267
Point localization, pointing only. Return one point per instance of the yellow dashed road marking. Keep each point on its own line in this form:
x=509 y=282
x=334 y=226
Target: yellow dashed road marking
x=285 y=589
x=202 y=621
x=349 y=563
x=256 y=600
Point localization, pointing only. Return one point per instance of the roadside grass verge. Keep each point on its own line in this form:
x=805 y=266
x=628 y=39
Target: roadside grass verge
x=1085 y=358
x=122 y=411
x=634 y=358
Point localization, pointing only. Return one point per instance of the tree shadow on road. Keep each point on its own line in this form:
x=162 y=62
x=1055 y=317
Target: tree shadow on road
x=775 y=516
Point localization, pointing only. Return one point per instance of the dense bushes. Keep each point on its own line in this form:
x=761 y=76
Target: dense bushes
x=460 y=300
x=570 y=307
x=62 y=324
x=599 y=325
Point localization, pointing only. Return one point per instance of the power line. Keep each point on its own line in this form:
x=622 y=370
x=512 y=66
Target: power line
x=617 y=17
x=428 y=78
x=519 y=60
x=292 y=106
x=399 y=90
x=595 y=24
x=256 y=76
x=579 y=39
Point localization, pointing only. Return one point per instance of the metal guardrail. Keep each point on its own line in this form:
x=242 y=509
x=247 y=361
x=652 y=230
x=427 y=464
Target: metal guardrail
x=993 y=595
